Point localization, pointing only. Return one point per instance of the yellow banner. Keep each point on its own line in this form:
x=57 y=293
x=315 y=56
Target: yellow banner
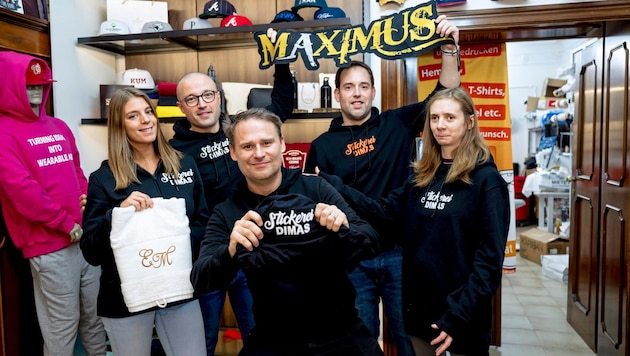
x=403 y=34
x=484 y=75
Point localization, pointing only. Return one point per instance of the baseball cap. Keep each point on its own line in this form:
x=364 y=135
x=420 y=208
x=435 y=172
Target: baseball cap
x=287 y=16
x=156 y=26
x=235 y=20
x=35 y=74
x=113 y=27
x=139 y=78
x=217 y=8
x=196 y=23
x=329 y=13
x=308 y=3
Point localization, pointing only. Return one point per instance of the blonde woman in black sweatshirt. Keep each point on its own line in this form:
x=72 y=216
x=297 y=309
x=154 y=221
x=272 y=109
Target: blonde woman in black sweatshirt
x=455 y=212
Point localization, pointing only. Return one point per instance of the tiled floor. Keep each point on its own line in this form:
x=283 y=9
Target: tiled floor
x=534 y=315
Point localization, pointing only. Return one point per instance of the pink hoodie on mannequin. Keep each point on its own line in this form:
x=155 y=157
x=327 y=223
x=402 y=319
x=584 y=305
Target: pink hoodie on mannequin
x=41 y=180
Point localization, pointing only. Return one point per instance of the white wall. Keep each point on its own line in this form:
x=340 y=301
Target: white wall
x=79 y=71
x=529 y=64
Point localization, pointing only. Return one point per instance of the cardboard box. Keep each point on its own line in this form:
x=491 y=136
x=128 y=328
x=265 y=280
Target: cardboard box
x=541 y=103
x=535 y=243
x=552 y=84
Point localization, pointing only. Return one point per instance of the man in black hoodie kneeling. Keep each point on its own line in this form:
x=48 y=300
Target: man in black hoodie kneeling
x=295 y=238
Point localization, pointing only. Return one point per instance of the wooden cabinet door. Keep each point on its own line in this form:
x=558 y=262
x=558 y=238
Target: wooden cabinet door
x=615 y=194
x=583 y=272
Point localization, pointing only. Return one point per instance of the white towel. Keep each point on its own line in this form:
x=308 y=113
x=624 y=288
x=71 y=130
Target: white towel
x=152 y=250
x=555 y=267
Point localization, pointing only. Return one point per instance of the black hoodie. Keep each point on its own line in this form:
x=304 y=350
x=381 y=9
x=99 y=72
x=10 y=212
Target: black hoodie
x=312 y=299
x=454 y=245
x=211 y=151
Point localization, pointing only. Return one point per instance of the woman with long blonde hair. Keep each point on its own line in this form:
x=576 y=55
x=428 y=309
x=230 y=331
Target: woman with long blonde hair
x=141 y=167
x=455 y=212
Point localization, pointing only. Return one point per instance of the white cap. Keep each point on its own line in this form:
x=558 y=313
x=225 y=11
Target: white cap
x=113 y=27
x=156 y=26
x=139 y=78
x=195 y=23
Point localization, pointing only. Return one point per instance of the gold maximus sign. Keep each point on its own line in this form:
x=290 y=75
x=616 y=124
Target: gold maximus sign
x=409 y=32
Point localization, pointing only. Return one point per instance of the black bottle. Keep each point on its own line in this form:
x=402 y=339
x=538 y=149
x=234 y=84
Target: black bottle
x=326 y=94
x=295 y=90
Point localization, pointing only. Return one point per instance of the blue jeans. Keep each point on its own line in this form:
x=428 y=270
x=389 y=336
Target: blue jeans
x=212 y=307
x=381 y=278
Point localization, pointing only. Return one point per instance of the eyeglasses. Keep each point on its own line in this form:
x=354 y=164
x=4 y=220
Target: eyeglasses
x=207 y=96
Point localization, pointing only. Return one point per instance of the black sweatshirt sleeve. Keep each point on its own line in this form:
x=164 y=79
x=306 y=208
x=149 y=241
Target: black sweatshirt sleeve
x=361 y=237
x=282 y=92
x=199 y=219
x=214 y=268
x=385 y=210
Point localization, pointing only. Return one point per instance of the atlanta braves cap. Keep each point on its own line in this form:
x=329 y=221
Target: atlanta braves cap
x=113 y=27
x=235 y=20
x=217 y=8
x=287 y=16
x=139 y=78
x=329 y=13
x=308 y=3
x=35 y=75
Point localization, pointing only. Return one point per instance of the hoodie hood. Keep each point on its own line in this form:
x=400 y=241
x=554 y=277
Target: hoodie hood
x=337 y=123
x=15 y=102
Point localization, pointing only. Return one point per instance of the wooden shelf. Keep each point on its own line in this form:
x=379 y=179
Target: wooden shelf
x=206 y=39
x=103 y=122
x=170 y=120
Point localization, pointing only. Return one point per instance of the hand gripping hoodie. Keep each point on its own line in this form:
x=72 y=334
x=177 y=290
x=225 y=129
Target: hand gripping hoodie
x=211 y=151
x=298 y=275
x=40 y=171
x=454 y=244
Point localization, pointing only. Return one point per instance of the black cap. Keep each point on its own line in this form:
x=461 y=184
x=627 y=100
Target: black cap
x=287 y=16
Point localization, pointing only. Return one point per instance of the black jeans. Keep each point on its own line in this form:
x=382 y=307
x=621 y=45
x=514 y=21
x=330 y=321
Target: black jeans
x=357 y=341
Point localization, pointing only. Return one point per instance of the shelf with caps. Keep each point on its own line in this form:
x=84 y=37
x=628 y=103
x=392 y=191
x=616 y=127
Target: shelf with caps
x=169 y=120
x=203 y=39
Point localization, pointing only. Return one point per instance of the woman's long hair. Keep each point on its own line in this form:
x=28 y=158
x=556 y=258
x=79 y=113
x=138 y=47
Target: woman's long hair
x=471 y=151
x=119 y=150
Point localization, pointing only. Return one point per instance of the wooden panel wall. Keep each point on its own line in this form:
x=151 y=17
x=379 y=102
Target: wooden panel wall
x=24 y=34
